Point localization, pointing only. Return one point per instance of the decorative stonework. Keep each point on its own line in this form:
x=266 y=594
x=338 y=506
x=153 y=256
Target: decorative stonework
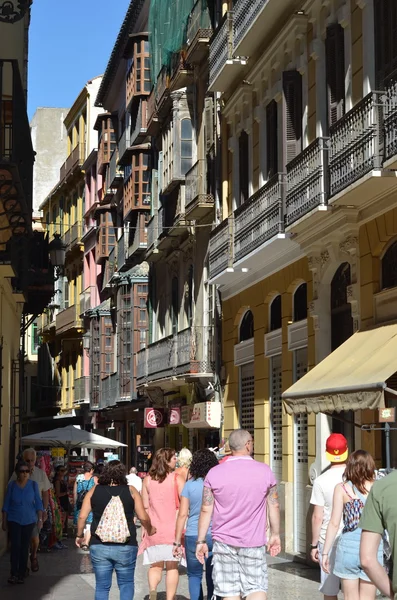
x=12 y=11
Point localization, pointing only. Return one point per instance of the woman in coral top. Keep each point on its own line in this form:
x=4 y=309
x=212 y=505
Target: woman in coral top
x=160 y=494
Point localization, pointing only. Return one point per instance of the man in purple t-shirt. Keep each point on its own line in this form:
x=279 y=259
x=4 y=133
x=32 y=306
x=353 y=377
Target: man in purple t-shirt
x=237 y=495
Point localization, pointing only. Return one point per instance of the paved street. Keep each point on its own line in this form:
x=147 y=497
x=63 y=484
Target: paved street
x=67 y=575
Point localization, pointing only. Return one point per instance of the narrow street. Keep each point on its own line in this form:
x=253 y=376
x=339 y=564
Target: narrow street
x=67 y=575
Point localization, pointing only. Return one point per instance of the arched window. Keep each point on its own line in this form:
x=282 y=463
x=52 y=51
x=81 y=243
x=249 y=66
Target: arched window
x=389 y=267
x=247 y=327
x=186 y=145
x=300 y=302
x=275 y=313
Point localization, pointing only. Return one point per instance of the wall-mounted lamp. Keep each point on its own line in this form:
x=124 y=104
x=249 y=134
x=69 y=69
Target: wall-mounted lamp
x=57 y=252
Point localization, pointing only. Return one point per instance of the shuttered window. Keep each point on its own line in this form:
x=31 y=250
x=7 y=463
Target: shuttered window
x=276 y=416
x=271 y=139
x=247 y=409
x=95 y=363
x=385 y=12
x=335 y=72
x=292 y=115
x=243 y=166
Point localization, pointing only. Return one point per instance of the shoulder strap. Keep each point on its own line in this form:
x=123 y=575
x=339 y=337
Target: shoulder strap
x=346 y=491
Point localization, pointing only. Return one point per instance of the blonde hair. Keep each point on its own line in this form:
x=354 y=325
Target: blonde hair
x=184 y=458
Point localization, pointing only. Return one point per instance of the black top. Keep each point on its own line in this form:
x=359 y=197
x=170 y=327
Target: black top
x=63 y=500
x=99 y=501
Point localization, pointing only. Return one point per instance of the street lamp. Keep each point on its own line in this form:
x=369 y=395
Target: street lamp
x=57 y=251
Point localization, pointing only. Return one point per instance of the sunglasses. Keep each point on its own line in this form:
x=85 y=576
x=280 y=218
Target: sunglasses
x=24 y=471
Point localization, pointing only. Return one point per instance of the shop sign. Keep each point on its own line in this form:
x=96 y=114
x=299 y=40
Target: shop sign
x=387 y=415
x=154 y=417
x=174 y=415
x=204 y=415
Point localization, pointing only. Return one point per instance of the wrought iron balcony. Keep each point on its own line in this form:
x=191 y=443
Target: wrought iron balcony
x=260 y=218
x=69 y=319
x=139 y=131
x=125 y=150
x=253 y=20
x=82 y=390
x=222 y=63
x=139 y=243
x=187 y=353
x=162 y=91
x=197 y=201
x=221 y=247
x=356 y=142
x=199 y=32
x=390 y=120
x=181 y=72
x=73 y=161
x=307 y=181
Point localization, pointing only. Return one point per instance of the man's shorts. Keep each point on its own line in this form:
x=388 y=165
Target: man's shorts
x=330 y=584
x=238 y=571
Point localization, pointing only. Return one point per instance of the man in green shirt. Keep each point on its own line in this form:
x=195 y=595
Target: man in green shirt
x=380 y=513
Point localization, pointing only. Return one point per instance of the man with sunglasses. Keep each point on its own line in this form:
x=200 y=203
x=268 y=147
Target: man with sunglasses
x=44 y=485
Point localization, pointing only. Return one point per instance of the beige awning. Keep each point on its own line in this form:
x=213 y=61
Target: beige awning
x=352 y=377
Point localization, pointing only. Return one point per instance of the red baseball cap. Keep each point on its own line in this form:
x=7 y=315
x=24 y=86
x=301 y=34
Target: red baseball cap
x=336 y=449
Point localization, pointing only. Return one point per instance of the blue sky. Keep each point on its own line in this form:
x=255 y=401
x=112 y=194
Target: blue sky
x=70 y=42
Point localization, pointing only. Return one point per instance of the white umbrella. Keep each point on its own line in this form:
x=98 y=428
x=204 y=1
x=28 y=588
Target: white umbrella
x=70 y=437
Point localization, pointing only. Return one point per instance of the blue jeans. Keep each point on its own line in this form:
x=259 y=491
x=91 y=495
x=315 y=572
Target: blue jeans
x=108 y=558
x=195 y=569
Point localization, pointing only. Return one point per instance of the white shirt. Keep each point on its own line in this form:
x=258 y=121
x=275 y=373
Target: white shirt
x=134 y=480
x=323 y=494
x=39 y=477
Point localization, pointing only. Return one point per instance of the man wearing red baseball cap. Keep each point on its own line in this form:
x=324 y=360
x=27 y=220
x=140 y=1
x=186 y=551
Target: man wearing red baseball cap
x=336 y=451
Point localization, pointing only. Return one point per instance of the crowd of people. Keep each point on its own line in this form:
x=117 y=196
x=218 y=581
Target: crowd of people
x=199 y=512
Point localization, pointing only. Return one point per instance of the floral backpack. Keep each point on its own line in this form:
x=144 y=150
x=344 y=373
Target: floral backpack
x=113 y=526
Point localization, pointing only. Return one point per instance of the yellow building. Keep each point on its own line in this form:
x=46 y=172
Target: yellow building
x=305 y=253
x=62 y=325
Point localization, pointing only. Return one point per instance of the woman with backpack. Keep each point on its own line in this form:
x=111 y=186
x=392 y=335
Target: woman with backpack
x=113 y=544
x=83 y=484
x=161 y=492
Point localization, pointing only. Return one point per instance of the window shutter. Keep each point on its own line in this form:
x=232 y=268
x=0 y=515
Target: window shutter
x=272 y=139
x=209 y=123
x=292 y=115
x=243 y=166
x=335 y=72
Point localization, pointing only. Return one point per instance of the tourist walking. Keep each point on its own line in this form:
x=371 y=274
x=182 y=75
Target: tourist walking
x=39 y=476
x=183 y=463
x=161 y=492
x=113 y=545
x=192 y=494
x=238 y=495
x=134 y=480
x=379 y=514
x=336 y=452
x=349 y=500
x=83 y=484
x=22 y=512
x=62 y=496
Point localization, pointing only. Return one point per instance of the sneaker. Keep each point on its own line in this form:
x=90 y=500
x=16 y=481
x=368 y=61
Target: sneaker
x=20 y=580
x=12 y=579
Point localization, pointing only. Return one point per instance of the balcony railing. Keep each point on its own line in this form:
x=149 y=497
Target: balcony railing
x=124 y=147
x=221 y=48
x=307 y=179
x=221 y=247
x=74 y=160
x=197 y=201
x=68 y=319
x=139 y=243
x=162 y=92
x=82 y=390
x=153 y=231
x=86 y=299
x=356 y=143
x=199 y=22
x=259 y=219
x=390 y=119
x=139 y=132
x=188 y=352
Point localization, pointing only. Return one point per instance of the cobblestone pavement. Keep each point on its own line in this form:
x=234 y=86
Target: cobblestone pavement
x=67 y=575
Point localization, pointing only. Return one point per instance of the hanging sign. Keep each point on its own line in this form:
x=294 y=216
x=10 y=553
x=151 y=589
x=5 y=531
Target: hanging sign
x=387 y=415
x=174 y=415
x=154 y=417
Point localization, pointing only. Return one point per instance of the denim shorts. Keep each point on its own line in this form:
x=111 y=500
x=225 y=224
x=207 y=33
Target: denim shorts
x=347 y=558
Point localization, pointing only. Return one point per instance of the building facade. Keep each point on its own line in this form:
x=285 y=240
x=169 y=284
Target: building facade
x=303 y=253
